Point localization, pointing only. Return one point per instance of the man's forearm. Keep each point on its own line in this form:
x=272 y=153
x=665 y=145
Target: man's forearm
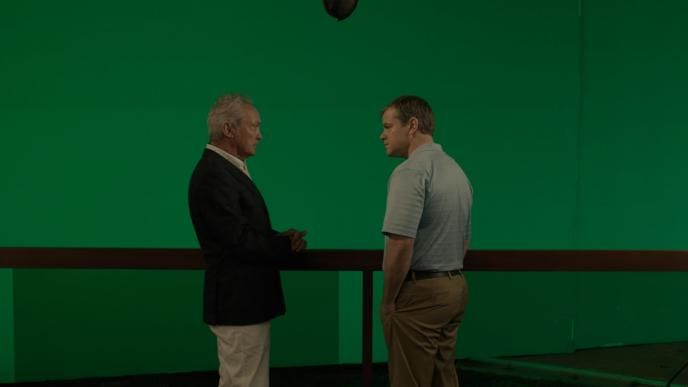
x=397 y=263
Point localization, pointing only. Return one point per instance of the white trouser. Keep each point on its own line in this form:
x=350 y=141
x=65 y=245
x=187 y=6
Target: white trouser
x=244 y=354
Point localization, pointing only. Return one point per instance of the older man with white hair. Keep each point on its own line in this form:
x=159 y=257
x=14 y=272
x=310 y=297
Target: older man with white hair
x=242 y=290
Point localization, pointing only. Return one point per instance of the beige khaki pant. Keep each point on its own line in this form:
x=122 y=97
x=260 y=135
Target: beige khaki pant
x=244 y=354
x=421 y=333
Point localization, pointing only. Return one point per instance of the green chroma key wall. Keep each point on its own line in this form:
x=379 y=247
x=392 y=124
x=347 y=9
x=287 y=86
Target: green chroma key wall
x=569 y=119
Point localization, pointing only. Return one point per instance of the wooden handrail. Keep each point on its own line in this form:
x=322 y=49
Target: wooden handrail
x=346 y=260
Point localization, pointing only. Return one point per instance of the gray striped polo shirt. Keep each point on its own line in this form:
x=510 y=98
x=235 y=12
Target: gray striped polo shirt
x=429 y=198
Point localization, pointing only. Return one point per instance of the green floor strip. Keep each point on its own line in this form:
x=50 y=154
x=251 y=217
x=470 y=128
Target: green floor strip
x=516 y=364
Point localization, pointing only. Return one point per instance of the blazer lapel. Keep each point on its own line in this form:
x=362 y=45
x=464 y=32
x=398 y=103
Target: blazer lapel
x=240 y=177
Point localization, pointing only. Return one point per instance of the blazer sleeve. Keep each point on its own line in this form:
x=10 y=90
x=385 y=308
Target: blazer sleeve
x=239 y=236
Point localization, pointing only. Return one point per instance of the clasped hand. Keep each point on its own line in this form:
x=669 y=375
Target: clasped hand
x=296 y=238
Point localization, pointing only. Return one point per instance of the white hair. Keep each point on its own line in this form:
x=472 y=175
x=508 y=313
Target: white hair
x=228 y=109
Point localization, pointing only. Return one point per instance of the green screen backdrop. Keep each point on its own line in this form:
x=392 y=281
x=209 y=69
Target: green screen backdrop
x=567 y=116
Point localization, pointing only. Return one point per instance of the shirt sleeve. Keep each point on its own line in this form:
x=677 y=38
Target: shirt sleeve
x=469 y=228
x=405 y=202
x=469 y=221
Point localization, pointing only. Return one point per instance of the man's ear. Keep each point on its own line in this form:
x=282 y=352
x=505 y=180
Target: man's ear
x=413 y=126
x=228 y=130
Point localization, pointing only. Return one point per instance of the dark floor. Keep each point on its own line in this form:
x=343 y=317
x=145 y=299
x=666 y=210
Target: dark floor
x=292 y=378
x=630 y=366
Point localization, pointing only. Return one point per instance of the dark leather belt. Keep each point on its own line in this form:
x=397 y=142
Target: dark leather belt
x=421 y=275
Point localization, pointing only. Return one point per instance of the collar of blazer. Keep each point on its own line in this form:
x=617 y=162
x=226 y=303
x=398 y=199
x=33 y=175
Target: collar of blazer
x=236 y=172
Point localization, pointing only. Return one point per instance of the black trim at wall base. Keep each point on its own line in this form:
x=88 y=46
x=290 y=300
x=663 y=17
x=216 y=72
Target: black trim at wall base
x=475 y=374
x=327 y=375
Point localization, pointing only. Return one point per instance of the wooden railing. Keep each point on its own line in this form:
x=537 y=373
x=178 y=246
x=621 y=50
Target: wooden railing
x=348 y=260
